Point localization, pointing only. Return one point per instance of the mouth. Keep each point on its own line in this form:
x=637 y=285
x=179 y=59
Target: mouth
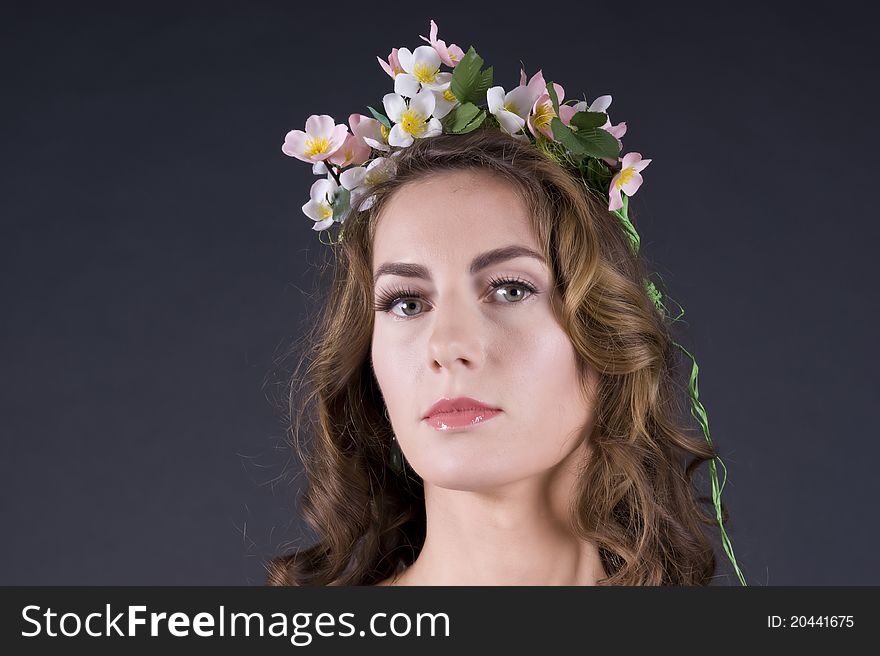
x=444 y=421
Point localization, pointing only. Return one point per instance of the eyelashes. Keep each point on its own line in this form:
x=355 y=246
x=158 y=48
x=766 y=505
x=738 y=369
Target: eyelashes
x=391 y=298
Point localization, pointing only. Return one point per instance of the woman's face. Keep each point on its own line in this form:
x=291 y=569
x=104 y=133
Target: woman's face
x=463 y=335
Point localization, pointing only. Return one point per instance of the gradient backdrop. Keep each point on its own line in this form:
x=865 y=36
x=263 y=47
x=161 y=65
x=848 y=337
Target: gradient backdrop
x=155 y=261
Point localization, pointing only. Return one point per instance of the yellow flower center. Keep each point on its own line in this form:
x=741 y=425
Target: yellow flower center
x=449 y=96
x=424 y=73
x=510 y=107
x=413 y=123
x=543 y=115
x=324 y=211
x=316 y=145
x=384 y=132
x=625 y=176
x=349 y=155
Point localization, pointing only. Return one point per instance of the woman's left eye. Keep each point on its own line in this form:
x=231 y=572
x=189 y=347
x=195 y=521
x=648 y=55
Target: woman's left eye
x=397 y=297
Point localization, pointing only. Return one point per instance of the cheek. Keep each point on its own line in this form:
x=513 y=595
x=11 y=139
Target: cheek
x=392 y=365
x=552 y=402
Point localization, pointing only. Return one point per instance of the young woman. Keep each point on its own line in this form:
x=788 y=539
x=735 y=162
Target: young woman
x=493 y=397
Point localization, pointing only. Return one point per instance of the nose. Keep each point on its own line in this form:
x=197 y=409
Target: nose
x=457 y=334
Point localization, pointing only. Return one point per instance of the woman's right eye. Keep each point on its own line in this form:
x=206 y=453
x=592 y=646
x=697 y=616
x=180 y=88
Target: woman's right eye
x=405 y=303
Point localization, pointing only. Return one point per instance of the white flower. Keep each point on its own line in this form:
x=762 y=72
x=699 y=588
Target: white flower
x=444 y=102
x=359 y=179
x=318 y=208
x=413 y=121
x=422 y=71
x=511 y=109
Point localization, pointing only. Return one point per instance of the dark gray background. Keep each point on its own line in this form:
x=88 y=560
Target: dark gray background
x=154 y=260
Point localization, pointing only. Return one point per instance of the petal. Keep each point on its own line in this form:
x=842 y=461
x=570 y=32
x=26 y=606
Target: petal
x=353 y=178
x=629 y=159
x=441 y=81
x=320 y=125
x=641 y=164
x=434 y=128
x=366 y=127
x=399 y=137
x=426 y=56
x=322 y=189
x=600 y=104
x=615 y=202
x=385 y=66
x=521 y=100
x=442 y=106
x=616 y=130
x=319 y=168
x=312 y=210
x=423 y=102
x=456 y=54
x=510 y=122
x=631 y=186
x=405 y=57
x=295 y=145
x=406 y=85
x=394 y=106
x=323 y=225
x=537 y=85
x=565 y=113
x=338 y=137
x=560 y=92
x=495 y=99
x=378 y=145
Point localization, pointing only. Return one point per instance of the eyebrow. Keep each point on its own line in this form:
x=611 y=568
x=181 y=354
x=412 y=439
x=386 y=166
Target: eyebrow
x=480 y=262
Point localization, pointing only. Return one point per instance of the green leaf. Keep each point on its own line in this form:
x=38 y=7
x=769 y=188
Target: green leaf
x=341 y=203
x=380 y=117
x=478 y=93
x=553 y=98
x=564 y=135
x=475 y=123
x=464 y=114
x=466 y=75
x=594 y=142
x=587 y=120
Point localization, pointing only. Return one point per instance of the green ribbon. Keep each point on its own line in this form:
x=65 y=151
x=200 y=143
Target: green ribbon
x=697 y=409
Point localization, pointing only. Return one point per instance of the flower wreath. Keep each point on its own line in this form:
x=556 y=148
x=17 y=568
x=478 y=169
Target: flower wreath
x=427 y=102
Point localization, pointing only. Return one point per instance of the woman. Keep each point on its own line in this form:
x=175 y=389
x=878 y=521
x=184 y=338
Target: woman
x=579 y=469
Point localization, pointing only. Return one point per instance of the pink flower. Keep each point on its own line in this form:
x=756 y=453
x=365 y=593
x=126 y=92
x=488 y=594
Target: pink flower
x=354 y=150
x=542 y=113
x=392 y=66
x=321 y=139
x=628 y=179
x=450 y=55
x=373 y=133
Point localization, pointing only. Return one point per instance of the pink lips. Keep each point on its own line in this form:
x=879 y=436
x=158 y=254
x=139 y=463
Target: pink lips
x=460 y=412
x=461 y=418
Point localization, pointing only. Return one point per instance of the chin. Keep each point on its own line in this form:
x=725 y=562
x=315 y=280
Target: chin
x=469 y=472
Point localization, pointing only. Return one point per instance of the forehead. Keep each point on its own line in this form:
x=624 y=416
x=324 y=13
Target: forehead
x=451 y=216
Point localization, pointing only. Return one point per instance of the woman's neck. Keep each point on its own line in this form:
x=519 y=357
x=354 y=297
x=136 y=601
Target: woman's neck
x=515 y=535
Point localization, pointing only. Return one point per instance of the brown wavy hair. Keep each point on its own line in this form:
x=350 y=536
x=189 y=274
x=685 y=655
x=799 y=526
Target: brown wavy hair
x=636 y=501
